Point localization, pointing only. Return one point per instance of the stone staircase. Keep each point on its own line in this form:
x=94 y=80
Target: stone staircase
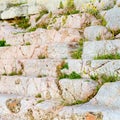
x=40 y=80
x=30 y=88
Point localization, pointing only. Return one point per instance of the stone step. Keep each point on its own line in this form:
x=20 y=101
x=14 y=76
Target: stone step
x=41 y=36
x=45 y=88
x=102 y=106
x=94 y=49
x=92 y=67
x=52 y=67
x=29 y=67
x=27 y=108
x=55 y=50
x=48 y=88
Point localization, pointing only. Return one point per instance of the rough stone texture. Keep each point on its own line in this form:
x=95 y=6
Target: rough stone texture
x=37 y=51
x=102 y=106
x=112 y=17
x=109 y=67
x=24 y=52
x=97 y=32
x=72 y=20
x=78 y=89
x=10 y=9
x=43 y=67
x=15 y=12
x=75 y=21
x=95 y=48
x=29 y=87
x=45 y=88
x=105 y=106
x=104 y=4
x=61 y=50
x=92 y=67
x=15 y=36
x=108 y=95
x=29 y=67
x=74 y=65
x=30 y=108
x=88 y=112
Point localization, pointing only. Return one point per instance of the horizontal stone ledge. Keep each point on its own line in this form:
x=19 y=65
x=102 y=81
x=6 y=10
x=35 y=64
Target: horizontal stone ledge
x=23 y=108
x=99 y=107
x=9 y=7
x=94 y=49
x=51 y=67
x=41 y=36
x=44 y=88
x=48 y=88
x=31 y=67
x=55 y=50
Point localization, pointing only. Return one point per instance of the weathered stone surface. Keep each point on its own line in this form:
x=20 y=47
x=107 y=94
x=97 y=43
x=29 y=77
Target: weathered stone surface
x=108 y=95
x=102 y=106
x=112 y=17
x=15 y=36
x=95 y=48
x=61 y=50
x=80 y=3
x=108 y=67
x=8 y=8
x=105 y=106
x=78 y=89
x=29 y=74
x=75 y=21
x=73 y=65
x=42 y=36
x=43 y=67
x=25 y=52
x=38 y=51
x=15 y=12
x=30 y=67
x=97 y=33
x=45 y=88
x=104 y=4
x=29 y=108
x=88 y=112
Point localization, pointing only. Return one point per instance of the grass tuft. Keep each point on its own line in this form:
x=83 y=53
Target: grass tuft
x=107 y=56
x=43 y=12
x=38 y=95
x=22 y=22
x=72 y=75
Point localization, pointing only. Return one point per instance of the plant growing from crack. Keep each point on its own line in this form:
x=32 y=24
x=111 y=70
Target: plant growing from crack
x=77 y=54
x=15 y=73
x=38 y=95
x=104 y=78
x=42 y=12
x=21 y=22
x=3 y=43
x=107 y=56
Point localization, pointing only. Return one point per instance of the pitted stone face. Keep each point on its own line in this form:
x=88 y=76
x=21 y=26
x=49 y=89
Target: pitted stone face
x=13 y=105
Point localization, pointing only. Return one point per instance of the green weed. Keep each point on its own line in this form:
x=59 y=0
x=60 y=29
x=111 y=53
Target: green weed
x=72 y=75
x=107 y=56
x=43 y=12
x=22 y=22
